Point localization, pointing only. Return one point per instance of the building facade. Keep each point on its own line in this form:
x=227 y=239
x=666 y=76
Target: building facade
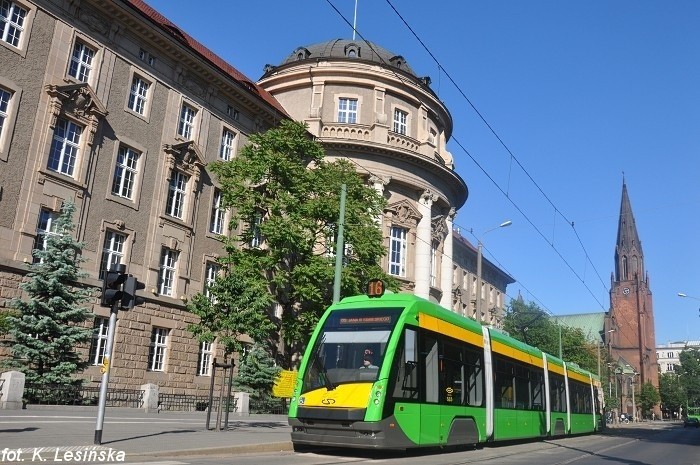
x=667 y=355
x=493 y=288
x=112 y=106
x=365 y=103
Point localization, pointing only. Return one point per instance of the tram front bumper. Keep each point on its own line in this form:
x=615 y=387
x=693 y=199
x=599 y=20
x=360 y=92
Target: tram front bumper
x=384 y=434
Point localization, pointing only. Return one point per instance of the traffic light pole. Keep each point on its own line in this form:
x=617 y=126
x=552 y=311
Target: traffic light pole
x=106 y=366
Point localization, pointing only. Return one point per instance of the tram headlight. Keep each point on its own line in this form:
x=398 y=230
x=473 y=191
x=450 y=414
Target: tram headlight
x=376 y=401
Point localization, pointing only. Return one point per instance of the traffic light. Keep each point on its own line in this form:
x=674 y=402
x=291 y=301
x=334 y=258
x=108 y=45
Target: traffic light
x=129 y=298
x=112 y=285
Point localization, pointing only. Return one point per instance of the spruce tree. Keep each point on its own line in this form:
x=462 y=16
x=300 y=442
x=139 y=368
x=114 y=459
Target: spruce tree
x=48 y=329
x=256 y=375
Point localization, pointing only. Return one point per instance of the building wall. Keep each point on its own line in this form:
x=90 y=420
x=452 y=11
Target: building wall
x=668 y=355
x=128 y=40
x=410 y=168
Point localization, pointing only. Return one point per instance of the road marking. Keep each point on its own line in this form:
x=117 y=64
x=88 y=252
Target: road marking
x=583 y=456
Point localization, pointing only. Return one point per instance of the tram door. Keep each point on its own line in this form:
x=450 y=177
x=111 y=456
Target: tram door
x=430 y=429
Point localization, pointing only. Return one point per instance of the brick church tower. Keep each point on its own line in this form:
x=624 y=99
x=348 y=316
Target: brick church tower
x=630 y=322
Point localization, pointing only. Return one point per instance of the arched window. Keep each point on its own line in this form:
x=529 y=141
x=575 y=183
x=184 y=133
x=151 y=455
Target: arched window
x=624 y=268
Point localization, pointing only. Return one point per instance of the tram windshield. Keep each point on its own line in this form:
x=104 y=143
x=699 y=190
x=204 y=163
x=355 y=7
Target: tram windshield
x=350 y=348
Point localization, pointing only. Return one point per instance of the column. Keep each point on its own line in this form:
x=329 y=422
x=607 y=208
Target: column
x=378 y=183
x=447 y=268
x=423 y=244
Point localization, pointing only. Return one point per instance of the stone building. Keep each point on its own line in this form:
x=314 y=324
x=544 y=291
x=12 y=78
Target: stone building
x=493 y=289
x=365 y=103
x=113 y=106
x=668 y=355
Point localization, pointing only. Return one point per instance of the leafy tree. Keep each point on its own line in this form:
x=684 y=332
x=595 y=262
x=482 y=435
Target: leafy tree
x=532 y=325
x=648 y=397
x=671 y=392
x=256 y=375
x=232 y=306
x=48 y=330
x=285 y=201
x=689 y=372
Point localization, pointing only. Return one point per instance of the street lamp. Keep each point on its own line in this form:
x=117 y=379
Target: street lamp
x=681 y=294
x=634 y=405
x=598 y=347
x=479 y=256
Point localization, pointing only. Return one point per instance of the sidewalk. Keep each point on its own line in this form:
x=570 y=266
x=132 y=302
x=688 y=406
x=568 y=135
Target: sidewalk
x=135 y=433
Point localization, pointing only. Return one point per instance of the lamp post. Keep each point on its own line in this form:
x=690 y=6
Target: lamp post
x=479 y=257
x=634 y=404
x=682 y=294
x=598 y=347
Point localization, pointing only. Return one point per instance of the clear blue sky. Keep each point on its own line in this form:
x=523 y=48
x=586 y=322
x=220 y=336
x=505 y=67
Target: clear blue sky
x=578 y=91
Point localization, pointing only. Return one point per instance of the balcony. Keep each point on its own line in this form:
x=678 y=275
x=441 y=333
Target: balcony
x=380 y=136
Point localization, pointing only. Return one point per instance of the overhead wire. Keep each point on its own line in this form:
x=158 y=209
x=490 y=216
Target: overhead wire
x=484 y=171
x=512 y=155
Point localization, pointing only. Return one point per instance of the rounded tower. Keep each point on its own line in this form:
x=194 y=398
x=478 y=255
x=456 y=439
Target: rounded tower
x=366 y=104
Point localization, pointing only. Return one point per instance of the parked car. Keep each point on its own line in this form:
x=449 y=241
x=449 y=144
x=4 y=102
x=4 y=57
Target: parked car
x=691 y=421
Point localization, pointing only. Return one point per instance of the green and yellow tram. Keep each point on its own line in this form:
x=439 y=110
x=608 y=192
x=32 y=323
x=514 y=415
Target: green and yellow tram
x=397 y=372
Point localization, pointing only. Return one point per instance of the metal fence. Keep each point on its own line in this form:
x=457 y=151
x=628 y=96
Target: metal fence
x=191 y=403
x=61 y=394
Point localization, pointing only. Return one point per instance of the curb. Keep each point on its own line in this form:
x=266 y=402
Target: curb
x=242 y=449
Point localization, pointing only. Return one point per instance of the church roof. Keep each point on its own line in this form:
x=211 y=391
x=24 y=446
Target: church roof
x=627 y=236
x=346 y=49
x=590 y=323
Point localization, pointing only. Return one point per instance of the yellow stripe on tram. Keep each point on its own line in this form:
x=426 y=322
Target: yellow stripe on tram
x=512 y=352
x=449 y=329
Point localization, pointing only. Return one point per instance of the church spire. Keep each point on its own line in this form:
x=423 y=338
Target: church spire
x=629 y=258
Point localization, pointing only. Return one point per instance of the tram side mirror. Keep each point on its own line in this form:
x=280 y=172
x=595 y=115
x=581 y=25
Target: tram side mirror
x=409 y=367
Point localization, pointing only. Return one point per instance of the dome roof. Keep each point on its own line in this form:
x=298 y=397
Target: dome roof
x=360 y=50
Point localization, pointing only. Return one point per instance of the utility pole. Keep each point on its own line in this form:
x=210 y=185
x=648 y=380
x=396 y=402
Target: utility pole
x=339 y=246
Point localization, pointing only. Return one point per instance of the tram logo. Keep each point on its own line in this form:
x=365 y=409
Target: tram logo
x=328 y=401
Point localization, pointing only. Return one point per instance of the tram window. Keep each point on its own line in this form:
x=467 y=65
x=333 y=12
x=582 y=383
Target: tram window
x=406 y=383
x=503 y=384
x=537 y=380
x=522 y=386
x=429 y=354
x=557 y=395
x=475 y=380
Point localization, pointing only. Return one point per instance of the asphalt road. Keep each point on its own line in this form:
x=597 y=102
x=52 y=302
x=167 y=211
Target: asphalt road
x=646 y=444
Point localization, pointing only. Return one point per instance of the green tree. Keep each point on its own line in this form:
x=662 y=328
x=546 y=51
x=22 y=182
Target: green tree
x=671 y=392
x=5 y=324
x=256 y=375
x=689 y=372
x=48 y=329
x=528 y=323
x=284 y=199
x=648 y=397
x=231 y=307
